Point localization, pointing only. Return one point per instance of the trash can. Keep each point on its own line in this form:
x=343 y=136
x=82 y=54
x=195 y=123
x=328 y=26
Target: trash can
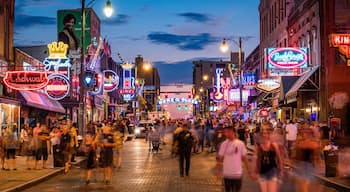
x=331 y=162
x=58 y=157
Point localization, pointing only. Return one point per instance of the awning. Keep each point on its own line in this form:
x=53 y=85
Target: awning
x=40 y=101
x=292 y=93
x=287 y=83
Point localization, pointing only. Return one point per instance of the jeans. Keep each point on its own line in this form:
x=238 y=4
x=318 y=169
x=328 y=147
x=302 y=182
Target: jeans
x=184 y=156
x=233 y=185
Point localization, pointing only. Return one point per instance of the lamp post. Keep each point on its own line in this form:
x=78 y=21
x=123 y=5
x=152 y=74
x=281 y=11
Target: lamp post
x=108 y=10
x=224 y=48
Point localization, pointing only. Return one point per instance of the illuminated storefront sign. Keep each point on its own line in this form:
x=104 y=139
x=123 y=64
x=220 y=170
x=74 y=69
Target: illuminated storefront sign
x=111 y=80
x=268 y=84
x=234 y=96
x=342 y=42
x=249 y=80
x=58 y=87
x=177 y=100
x=287 y=58
x=26 y=80
x=128 y=82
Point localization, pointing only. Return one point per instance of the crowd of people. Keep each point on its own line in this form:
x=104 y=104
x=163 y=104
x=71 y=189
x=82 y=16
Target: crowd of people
x=273 y=142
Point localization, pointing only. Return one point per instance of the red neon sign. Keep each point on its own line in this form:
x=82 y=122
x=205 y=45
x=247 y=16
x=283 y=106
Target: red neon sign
x=342 y=42
x=126 y=91
x=26 y=80
x=287 y=57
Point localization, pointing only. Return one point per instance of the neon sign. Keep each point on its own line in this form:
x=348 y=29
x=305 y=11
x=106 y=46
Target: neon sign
x=342 y=42
x=128 y=82
x=177 y=100
x=58 y=65
x=58 y=87
x=249 y=80
x=287 y=57
x=234 y=96
x=268 y=84
x=98 y=85
x=26 y=80
x=111 y=80
x=218 y=91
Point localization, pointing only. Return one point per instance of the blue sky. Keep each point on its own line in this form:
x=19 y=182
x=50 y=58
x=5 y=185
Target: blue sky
x=168 y=33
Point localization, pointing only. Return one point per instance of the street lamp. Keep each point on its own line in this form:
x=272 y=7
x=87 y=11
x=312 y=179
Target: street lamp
x=108 y=11
x=224 y=48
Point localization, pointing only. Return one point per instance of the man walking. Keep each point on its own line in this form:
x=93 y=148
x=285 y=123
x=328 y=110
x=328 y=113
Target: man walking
x=229 y=162
x=292 y=132
x=185 y=141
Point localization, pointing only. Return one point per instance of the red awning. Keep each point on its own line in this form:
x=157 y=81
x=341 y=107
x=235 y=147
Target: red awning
x=41 y=101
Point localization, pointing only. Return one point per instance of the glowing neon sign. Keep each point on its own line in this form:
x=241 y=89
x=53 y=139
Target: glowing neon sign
x=111 y=80
x=268 y=84
x=342 y=42
x=58 y=87
x=58 y=65
x=177 y=100
x=128 y=82
x=249 y=80
x=287 y=57
x=26 y=80
x=218 y=91
x=234 y=96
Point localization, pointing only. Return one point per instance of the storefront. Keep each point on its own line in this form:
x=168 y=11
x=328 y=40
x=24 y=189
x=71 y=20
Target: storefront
x=9 y=115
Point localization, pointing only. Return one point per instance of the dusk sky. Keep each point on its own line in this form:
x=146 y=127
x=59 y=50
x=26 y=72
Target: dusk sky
x=168 y=33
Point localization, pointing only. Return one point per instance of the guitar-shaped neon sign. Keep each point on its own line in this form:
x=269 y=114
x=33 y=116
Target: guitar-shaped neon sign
x=218 y=93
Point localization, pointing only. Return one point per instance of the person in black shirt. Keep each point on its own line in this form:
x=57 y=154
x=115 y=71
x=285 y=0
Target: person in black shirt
x=107 y=144
x=42 y=151
x=65 y=141
x=185 y=142
x=67 y=35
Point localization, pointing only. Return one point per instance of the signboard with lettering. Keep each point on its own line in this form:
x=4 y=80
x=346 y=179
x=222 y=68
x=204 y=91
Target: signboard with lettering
x=57 y=87
x=177 y=100
x=249 y=80
x=128 y=82
x=26 y=80
x=234 y=96
x=287 y=57
x=342 y=42
x=268 y=85
x=111 y=80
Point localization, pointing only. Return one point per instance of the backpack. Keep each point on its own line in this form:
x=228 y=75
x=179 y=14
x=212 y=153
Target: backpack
x=185 y=140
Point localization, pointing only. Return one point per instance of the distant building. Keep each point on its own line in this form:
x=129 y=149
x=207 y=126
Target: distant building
x=176 y=101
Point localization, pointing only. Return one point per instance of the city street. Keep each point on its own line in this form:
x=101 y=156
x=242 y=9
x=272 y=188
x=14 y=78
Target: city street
x=143 y=171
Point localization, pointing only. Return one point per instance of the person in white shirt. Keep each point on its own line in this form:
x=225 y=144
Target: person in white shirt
x=291 y=136
x=229 y=162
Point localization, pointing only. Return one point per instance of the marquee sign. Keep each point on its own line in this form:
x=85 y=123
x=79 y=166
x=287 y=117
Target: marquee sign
x=58 y=87
x=342 y=42
x=287 y=57
x=111 y=80
x=234 y=96
x=177 y=100
x=26 y=80
x=268 y=85
x=218 y=90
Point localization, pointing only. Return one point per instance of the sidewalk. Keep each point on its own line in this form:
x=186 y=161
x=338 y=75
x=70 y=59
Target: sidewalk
x=340 y=182
x=23 y=178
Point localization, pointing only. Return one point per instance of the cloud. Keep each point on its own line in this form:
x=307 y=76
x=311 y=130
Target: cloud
x=183 y=42
x=119 y=20
x=195 y=17
x=25 y=21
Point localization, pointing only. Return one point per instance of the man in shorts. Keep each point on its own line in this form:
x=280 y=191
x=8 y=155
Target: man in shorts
x=231 y=154
x=42 y=150
x=65 y=142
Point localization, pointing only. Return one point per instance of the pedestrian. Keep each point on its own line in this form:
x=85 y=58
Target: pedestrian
x=291 y=136
x=242 y=132
x=11 y=144
x=325 y=135
x=73 y=145
x=108 y=144
x=119 y=139
x=55 y=136
x=89 y=148
x=24 y=140
x=42 y=149
x=64 y=145
x=232 y=154
x=185 y=142
x=2 y=152
x=307 y=148
x=30 y=150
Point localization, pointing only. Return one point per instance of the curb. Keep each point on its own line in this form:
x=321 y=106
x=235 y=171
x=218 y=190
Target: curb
x=321 y=179
x=38 y=180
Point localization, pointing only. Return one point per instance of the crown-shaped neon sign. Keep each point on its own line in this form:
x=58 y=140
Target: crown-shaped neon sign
x=57 y=50
x=127 y=66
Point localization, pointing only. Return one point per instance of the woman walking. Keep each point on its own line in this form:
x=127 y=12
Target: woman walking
x=269 y=161
x=90 y=147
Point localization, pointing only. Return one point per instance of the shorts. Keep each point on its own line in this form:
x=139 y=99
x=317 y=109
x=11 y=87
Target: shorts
x=11 y=153
x=271 y=175
x=107 y=157
x=42 y=152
